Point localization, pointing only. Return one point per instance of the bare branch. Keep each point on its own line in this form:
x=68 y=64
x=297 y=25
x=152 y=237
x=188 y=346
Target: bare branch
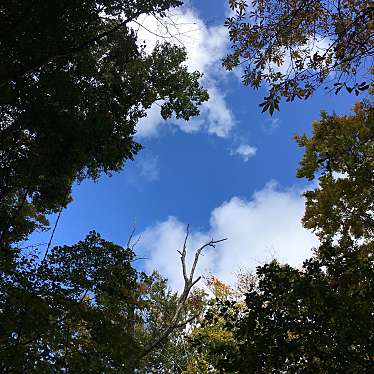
x=212 y=244
x=131 y=245
x=183 y=255
x=136 y=242
x=52 y=234
x=189 y=283
x=131 y=236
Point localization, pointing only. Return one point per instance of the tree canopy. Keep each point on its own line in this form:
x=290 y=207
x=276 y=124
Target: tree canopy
x=295 y=46
x=74 y=83
x=341 y=153
x=317 y=318
x=84 y=308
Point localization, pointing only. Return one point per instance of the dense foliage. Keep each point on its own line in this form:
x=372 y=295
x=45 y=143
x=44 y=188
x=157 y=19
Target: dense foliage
x=294 y=46
x=341 y=154
x=319 y=318
x=74 y=83
x=85 y=309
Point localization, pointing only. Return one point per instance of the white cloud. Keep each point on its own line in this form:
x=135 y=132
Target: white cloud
x=271 y=124
x=161 y=243
x=245 y=151
x=148 y=167
x=145 y=168
x=266 y=225
x=338 y=175
x=205 y=46
x=148 y=126
x=220 y=117
x=216 y=117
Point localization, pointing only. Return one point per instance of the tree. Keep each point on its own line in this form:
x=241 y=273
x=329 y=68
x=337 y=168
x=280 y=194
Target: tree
x=212 y=343
x=197 y=305
x=309 y=320
x=294 y=46
x=74 y=81
x=341 y=153
x=85 y=309
x=69 y=311
x=317 y=318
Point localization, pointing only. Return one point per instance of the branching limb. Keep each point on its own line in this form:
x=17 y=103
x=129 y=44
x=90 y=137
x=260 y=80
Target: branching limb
x=130 y=244
x=189 y=282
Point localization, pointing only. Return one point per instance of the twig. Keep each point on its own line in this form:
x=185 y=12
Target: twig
x=52 y=234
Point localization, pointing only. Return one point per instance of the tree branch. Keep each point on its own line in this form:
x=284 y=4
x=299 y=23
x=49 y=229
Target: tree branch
x=189 y=282
x=65 y=53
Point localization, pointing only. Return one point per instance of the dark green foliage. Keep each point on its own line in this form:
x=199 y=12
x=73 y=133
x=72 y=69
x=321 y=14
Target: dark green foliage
x=85 y=309
x=74 y=83
x=38 y=32
x=72 y=310
x=310 y=320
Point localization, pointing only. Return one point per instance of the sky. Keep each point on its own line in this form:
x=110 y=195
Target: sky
x=229 y=173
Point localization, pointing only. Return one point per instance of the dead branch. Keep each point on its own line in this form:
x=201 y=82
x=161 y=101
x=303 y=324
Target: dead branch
x=189 y=282
x=130 y=244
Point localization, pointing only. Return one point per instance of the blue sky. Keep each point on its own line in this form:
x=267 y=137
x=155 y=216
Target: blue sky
x=229 y=173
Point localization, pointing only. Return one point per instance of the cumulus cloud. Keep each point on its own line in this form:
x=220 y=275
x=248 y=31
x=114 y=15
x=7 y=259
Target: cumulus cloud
x=216 y=117
x=205 y=46
x=220 y=117
x=245 y=151
x=265 y=226
x=161 y=242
